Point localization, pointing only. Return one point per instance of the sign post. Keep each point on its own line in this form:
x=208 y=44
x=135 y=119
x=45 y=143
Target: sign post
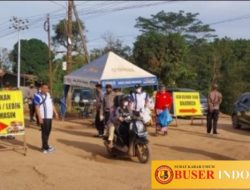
x=12 y=117
x=187 y=104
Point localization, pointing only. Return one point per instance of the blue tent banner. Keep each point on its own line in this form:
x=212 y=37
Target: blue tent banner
x=130 y=82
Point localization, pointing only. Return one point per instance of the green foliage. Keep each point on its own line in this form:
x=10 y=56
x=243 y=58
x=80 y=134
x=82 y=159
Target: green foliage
x=199 y=63
x=163 y=45
x=4 y=59
x=162 y=55
x=174 y=47
x=58 y=74
x=61 y=36
x=234 y=66
x=185 y=24
x=114 y=45
x=225 y=62
x=34 y=58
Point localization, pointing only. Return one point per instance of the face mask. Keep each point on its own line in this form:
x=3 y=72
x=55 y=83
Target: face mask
x=125 y=103
x=138 y=90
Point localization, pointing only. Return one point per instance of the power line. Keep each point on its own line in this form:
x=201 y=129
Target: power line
x=58 y=4
x=110 y=7
x=230 y=20
x=93 y=9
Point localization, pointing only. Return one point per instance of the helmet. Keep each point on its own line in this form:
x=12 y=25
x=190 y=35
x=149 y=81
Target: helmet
x=123 y=98
x=126 y=98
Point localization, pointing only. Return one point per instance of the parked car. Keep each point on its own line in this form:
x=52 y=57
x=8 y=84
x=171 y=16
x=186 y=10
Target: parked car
x=84 y=94
x=203 y=99
x=241 y=111
x=83 y=99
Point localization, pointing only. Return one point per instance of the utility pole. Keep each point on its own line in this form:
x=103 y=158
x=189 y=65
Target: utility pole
x=69 y=39
x=47 y=29
x=81 y=34
x=69 y=52
x=19 y=24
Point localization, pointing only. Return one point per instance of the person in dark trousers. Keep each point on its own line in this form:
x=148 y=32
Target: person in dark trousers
x=30 y=95
x=99 y=99
x=45 y=109
x=63 y=107
x=214 y=101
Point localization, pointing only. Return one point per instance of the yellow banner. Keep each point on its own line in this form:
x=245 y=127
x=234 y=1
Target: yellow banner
x=187 y=104
x=11 y=113
x=200 y=174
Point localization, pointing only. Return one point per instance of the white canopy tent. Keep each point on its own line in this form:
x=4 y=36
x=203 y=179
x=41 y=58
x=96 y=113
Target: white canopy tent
x=110 y=69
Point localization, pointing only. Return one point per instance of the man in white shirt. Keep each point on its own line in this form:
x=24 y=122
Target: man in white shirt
x=45 y=109
x=139 y=99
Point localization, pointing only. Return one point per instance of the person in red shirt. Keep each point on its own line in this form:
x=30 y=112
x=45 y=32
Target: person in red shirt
x=163 y=102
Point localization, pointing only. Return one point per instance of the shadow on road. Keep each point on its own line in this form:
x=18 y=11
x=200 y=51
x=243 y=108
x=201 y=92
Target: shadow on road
x=212 y=155
x=242 y=131
x=82 y=121
x=32 y=147
x=209 y=136
x=76 y=133
x=98 y=152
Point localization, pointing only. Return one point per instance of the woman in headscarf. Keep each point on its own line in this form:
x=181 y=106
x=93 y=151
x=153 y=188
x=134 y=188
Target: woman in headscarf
x=163 y=103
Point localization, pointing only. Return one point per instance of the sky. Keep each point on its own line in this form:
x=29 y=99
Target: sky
x=102 y=17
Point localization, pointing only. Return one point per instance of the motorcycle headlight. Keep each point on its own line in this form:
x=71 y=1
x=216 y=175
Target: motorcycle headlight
x=140 y=127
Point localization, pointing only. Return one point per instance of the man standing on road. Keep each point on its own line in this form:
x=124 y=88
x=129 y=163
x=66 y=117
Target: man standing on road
x=99 y=99
x=163 y=103
x=45 y=109
x=214 y=101
x=107 y=105
x=139 y=99
x=30 y=95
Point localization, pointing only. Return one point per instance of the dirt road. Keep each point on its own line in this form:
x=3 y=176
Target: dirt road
x=81 y=162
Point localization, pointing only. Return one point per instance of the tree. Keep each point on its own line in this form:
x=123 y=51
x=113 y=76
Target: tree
x=185 y=24
x=61 y=37
x=58 y=73
x=4 y=59
x=199 y=59
x=163 y=46
x=112 y=44
x=162 y=55
x=34 y=58
x=234 y=66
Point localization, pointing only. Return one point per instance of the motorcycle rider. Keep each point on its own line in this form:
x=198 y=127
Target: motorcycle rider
x=119 y=121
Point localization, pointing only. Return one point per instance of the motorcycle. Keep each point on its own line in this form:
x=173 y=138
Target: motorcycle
x=130 y=139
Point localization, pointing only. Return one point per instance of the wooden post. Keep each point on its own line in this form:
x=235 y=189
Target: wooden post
x=25 y=145
x=69 y=40
x=47 y=29
x=81 y=33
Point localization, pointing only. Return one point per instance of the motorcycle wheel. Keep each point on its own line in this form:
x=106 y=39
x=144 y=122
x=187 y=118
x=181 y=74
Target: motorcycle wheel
x=142 y=153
